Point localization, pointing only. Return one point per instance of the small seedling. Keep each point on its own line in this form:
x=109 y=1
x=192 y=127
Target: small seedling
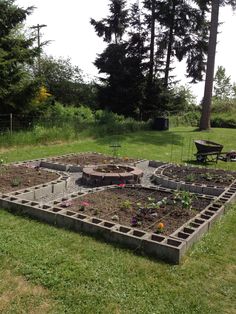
x=15 y=182
x=126 y=204
x=185 y=197
x=190 y=178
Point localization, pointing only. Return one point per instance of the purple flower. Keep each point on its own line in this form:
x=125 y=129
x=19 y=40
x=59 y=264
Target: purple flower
x=134 y=221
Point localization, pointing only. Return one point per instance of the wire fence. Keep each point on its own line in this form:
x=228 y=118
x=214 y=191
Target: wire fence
x=10 y=123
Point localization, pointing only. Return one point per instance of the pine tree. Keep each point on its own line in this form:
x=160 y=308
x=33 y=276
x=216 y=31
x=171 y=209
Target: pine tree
x=16 y=86
x=122 y=61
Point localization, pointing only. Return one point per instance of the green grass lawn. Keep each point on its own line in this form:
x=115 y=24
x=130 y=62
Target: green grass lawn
x=50 y=270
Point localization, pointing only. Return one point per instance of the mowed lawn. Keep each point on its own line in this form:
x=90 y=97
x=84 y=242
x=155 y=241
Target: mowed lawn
x=50 y=270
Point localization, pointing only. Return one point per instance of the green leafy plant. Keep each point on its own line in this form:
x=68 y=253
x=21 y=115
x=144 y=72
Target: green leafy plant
x=126 y=204
x=185 y=198
x=15 y=182
x=190 y=177
x=207 y=176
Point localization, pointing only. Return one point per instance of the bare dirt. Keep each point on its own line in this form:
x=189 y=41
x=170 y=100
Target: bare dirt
x=14 y=178
x=216 y=177
x=139 y=208
x=85 y=159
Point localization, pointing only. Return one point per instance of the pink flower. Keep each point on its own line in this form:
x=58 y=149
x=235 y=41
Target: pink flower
x=85 y=204
x=121 y=185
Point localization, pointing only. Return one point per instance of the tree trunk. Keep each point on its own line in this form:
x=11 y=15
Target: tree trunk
x=151 y=64
x=169 y=48
x=206 y=104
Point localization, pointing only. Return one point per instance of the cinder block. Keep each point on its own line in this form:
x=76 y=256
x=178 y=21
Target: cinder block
x=53 y=166
x=58 y=187
x=65 y=219
x=74 y=168
x=27 y=195
x=210 y=190
x=172 y=250
x=42 y=190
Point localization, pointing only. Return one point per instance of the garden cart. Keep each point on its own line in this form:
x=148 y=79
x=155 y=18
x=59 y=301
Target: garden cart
x=207 y=151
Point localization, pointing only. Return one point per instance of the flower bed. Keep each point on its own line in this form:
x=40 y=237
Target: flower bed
x=150 y=210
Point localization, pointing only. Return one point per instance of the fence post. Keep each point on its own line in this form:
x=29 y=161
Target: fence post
x=11 y=123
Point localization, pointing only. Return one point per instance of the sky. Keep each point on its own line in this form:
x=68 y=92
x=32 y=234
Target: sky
x=71 y=35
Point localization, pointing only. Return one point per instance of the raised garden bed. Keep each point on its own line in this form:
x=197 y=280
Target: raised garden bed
x=213 y=177
x=157 y=221
x=147 y=209
x=85 y=159
x=13 y=178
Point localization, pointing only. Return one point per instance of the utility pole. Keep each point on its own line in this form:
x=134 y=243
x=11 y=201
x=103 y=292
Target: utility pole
x=38 y=27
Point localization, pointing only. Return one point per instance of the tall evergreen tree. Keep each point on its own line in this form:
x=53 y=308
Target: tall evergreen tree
x=113 y=27
x=122 y=88
x=207 y=98
x=182 y=27
x=16 y=86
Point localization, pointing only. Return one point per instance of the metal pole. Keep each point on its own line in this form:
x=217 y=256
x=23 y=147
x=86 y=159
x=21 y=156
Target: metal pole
x=11 y=123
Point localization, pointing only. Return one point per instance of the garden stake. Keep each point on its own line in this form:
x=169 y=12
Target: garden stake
x=182 y=150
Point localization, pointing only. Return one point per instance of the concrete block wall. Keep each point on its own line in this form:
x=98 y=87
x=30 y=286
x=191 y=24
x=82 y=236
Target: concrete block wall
x=160 y=179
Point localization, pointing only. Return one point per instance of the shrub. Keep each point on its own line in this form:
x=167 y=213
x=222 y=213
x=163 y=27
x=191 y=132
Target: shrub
x=188 y=119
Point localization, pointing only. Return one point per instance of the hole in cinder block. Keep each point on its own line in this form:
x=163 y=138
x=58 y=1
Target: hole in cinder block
x=207 y=212
x=24 y=202
x=108 y=224
x=96 y=221
x=4 y=196
x=124 y=229
x=37 y=187
x=56 y=202
x=157 y=238
x=212 y=208
x=194 y=225
x=217 y=205
x=13 y=198
x=73 y=195
x=183 y=235
x=64 y=199
x=138 y=233
x=173 y=242
x=56 y=210
x=44 y=185
x=224 y=199
x=80 y=216
x=46 y=207
x=34 y=203
x=17 y=193
x=188 y=230
x=69 y=213
x=205 y=216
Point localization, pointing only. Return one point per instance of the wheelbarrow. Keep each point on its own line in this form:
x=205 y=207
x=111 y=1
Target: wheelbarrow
x=207 y=151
